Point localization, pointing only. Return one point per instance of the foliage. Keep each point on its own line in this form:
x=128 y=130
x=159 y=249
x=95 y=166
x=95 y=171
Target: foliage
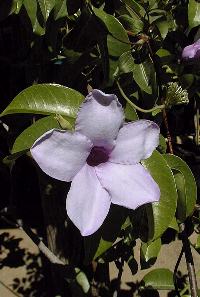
x=54 y=51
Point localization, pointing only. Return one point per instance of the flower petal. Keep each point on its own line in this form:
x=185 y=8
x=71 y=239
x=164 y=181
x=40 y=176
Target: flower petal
x=135 y=141
x=100 y=118
x=189 y=52
x=87 y=202
x=61 y=154
x=128 y=185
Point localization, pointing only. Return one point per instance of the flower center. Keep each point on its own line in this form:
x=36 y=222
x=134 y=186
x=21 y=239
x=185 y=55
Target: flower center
x=97 y=156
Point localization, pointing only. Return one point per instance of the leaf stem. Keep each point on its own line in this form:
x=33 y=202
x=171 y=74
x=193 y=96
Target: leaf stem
x=134 y=106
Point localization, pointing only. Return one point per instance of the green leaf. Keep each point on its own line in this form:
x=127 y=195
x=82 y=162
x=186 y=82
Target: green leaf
x=143 y=73
x=193 y=13
x=162 y=148
x=8 y=7
x=160 y=214
x=186 y=186
x=133 y=24
x=82 y=280
x=197 y=245
x=174 y=225
x=104 y=245
x=130 y=113
x=46 y=99
x=26 y=139
x=117 y=40
x=163 y=53
x=136 y=7
x=159 y=279
x=32 y=10
x=150 y=250
x=46 y=6
x=60 y=9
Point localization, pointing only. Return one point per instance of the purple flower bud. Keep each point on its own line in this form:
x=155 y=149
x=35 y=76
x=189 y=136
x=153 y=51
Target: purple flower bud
x=191 y=51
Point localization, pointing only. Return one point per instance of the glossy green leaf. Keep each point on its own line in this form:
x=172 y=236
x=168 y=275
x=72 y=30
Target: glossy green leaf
x=32 y=10
x=133 y=24
x=26 y=139
x=104 y=245
x=197 y=245
x=162 y=148
x=117 y=40
x=60 y=9
x=46 y=99
x=160 y=214
x=135 y=7
x=163 y=53
x=193 y=13
x=174 y=225
x=46 y=6
x=143 y=73
x=186 y=186
x=130 y=113
x=150 y=250
x=159 y=279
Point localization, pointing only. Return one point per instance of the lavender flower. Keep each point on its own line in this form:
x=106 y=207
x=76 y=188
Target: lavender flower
x=101 y=158
x=191 y=51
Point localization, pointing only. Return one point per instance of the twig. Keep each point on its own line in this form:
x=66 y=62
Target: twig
x=189 y=262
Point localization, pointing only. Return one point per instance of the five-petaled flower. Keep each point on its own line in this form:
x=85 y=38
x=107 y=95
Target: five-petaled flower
x=101 y=158
x=191 y=51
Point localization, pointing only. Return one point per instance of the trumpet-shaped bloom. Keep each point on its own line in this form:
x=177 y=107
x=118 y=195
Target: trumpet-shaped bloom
x=191 y=51
x=101 y=158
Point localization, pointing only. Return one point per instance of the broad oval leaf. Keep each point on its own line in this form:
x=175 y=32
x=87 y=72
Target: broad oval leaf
x=193 y=13
x=186 y=186
x=46 y=6
x=104 y=245
x=60 y=9
x=150 y=250
x=142 y=73
x=32 y=11
x=159 y=279
x=26 y=139
x=133 y=24
x=118 y=41
x=160 y=214
x=46 y=99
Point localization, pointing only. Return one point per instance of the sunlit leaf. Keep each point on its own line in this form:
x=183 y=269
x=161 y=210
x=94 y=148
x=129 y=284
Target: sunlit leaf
x=193 y=13
x=160 y=214
x=143 y=73
x=26 y=139
x=32 y=10
x=186 y=186
x=159 y=279
x=46 y=99
x=46 y=6
x=150 y=250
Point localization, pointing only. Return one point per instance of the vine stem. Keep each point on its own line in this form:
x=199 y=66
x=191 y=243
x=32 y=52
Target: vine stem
x=189 y=262
x=168 y=133
x=134 y=106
